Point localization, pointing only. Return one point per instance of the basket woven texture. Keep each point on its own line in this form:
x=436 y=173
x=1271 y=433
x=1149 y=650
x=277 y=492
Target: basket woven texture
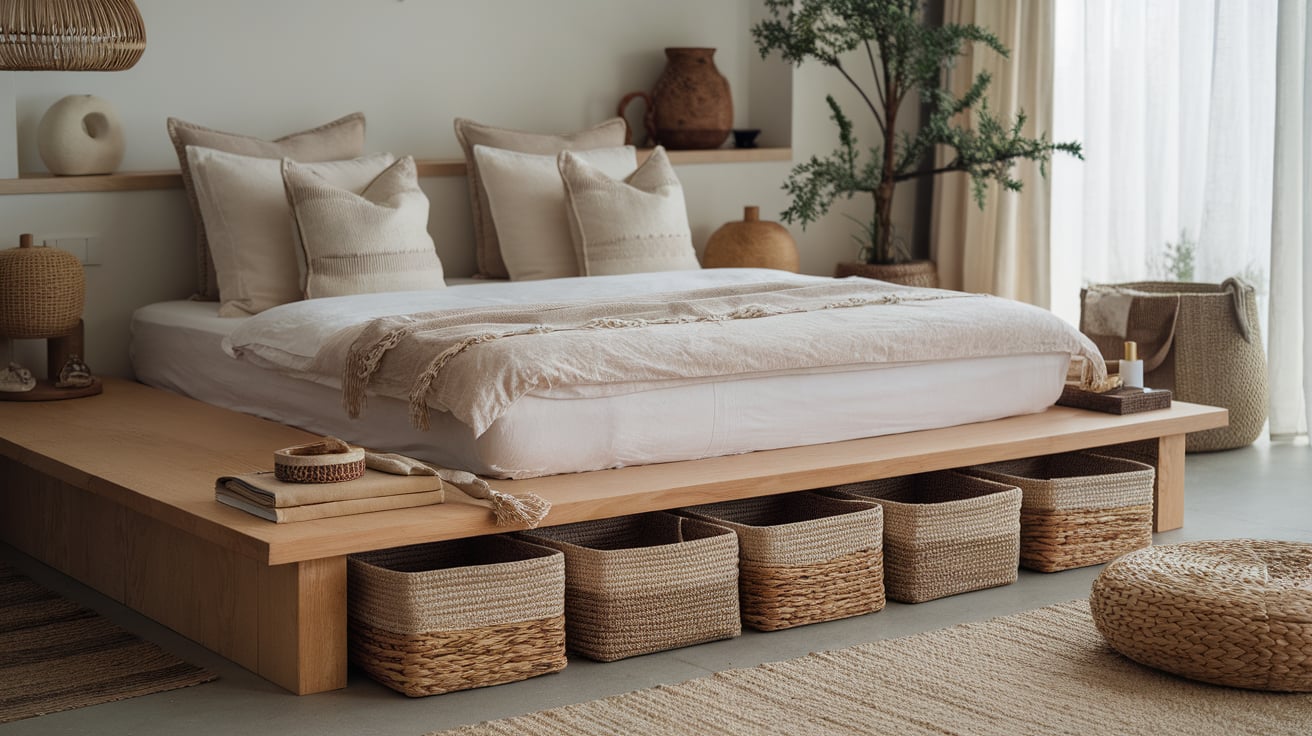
x=1204 y=343
x=42 y=292
x=917 y=273
x=329 y=473
x=78 y=35
x=1077 y=509
x=646 y=583
x=1230 y=612
x=803 y=557
x=944 y=533
x=432 y=618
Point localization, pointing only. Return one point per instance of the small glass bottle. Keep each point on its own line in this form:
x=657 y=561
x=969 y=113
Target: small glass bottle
x=1131 y=366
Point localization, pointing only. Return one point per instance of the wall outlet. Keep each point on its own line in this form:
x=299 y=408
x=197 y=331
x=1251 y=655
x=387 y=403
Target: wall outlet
x=86 y=246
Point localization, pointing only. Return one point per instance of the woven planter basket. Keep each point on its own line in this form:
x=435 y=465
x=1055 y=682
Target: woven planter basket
x=1232 y=612
x=645 y=583
x=915 y=273
x=1077 y=509
x=432 y=618
x=944 y=533
x=803 y=557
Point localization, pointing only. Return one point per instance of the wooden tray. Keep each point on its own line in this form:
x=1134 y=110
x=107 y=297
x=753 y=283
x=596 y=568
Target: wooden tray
x=1123 y=400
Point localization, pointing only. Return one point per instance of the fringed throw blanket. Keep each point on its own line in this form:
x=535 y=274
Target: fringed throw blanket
x=476 y=363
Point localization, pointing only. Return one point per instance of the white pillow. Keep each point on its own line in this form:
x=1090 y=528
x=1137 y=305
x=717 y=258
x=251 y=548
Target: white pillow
x=527 y=199
x=249 y=225
x=363 y=243
x=638 y=225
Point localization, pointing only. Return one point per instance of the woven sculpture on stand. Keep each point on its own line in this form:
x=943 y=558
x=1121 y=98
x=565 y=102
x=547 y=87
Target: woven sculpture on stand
x=42 y=291
x=1232 y=612
x=70 y=35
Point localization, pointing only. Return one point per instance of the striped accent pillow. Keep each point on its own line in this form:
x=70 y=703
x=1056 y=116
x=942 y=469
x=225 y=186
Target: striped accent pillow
x=373 y=241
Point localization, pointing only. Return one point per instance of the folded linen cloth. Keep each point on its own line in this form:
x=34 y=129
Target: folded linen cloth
x=265 y=496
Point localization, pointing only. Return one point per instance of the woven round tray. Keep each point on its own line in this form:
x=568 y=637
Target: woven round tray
x=803 y=557
x=327 y=461
x=1231 y=612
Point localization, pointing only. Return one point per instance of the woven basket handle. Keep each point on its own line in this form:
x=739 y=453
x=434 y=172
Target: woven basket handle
x=1240 y=292
x=1154 y=361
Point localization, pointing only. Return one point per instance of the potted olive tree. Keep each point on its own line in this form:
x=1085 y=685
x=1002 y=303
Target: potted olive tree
x=906 y=58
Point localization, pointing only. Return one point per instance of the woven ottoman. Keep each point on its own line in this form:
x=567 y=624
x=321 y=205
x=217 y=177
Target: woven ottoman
x=1234 y=612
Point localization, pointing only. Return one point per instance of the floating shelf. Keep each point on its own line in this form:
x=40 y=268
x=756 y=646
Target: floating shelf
x=131 y=181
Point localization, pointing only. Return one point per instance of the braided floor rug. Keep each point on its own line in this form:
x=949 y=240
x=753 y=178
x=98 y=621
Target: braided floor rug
x=56 y=655
x=1046 y=671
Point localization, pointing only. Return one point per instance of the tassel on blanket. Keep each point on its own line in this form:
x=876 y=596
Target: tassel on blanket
x=528 y=508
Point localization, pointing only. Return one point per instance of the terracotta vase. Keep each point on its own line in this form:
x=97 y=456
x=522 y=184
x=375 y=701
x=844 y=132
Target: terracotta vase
x=914 y=273
x=690 y=106
x=751 y=243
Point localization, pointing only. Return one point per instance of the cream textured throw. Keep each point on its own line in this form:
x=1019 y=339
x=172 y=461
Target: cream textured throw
x=476 y=363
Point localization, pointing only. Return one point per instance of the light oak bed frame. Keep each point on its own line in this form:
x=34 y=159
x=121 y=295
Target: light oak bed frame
x=117 y=491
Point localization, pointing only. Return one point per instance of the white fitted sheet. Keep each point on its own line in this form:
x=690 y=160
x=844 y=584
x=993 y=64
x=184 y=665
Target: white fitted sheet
x=178 y=346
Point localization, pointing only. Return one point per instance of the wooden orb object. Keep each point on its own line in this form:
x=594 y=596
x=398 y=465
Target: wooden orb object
x=751 y=243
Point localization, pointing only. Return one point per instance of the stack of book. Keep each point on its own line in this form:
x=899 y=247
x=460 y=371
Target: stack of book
x=267 y=497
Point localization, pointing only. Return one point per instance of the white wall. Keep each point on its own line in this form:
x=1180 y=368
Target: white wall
x=270 y=67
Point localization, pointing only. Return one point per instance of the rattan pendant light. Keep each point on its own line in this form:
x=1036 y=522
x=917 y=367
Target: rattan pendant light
x=70 y=35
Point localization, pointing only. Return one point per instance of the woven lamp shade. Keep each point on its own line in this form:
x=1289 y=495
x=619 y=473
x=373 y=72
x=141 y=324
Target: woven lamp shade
x=70 y=35
x=42 y=291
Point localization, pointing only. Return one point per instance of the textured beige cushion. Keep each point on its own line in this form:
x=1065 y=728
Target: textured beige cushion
x=487 y=247
x=527 y=200
x=249 y=224
x=363 y=243
x=637 y=225
x=341 y=139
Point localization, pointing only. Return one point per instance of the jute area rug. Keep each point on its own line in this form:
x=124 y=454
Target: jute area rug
x=56 y=655
x=1039 y=672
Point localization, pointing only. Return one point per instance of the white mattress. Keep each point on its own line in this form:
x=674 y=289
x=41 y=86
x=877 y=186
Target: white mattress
x=178 y=346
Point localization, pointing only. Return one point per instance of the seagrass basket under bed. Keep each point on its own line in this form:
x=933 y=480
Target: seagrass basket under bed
x=432 y=618
x=803 y=557
x=645 y=583
x=944 y=532
x=1078 y=508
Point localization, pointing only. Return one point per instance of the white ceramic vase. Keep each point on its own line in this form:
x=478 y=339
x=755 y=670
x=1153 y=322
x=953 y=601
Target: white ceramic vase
x=80 y=135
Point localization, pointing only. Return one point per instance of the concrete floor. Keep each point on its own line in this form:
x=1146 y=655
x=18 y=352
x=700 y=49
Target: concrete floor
x=1264 y=491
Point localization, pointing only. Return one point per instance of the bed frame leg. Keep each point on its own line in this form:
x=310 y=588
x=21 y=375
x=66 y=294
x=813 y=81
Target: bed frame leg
x=303 y=625
x=1168 y=489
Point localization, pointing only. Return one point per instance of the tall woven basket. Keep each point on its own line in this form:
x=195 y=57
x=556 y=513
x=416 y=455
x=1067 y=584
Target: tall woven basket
x=803 y=557
x=432 y=618
x=645 y=583
x=1078 y=509
x=944 y=533
x=1201 y=341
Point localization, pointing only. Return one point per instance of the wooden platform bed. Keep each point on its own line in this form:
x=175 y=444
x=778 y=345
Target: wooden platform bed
x=117 y=491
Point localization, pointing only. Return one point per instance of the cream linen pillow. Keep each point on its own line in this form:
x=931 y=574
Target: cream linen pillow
x=488 y=249
x=363 y=243
x=341 y=139
x=637 y=225
x=249 y=224
x=527 y=200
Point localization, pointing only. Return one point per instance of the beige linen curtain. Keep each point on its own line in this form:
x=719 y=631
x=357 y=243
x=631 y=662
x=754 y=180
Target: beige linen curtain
x=1002 y=249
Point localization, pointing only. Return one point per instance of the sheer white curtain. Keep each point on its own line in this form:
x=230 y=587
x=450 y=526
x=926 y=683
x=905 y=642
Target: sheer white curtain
x=1290 y=341
x=1174 y=101
x=1184 y=133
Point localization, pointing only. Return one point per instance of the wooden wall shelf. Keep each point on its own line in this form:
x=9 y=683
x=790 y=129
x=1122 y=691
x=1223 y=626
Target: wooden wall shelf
x=132 y=181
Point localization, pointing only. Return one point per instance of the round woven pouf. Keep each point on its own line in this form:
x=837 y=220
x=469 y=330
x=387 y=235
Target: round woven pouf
x=1235 y=612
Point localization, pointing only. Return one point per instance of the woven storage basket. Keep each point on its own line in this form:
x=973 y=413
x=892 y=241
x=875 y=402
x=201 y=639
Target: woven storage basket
x=1078 y=509
x=42 y=291
x=944 y=533
x=645 y=583
x=1234 y=612
x=1201 y=341
x=803 y=557
x=432 y=618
